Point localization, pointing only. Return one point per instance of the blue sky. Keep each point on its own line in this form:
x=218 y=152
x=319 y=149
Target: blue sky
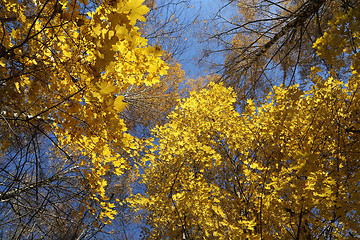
x=205 y=10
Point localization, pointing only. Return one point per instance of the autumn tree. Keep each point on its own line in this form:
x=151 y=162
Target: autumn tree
x=65 y=67
x=270 y=42
x=285 y=168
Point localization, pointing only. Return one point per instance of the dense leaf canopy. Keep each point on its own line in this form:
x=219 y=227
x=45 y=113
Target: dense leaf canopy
x=285 y=168
x=81 y=87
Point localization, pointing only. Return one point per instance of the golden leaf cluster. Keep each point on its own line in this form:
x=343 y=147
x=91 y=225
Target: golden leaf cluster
x=68 y=63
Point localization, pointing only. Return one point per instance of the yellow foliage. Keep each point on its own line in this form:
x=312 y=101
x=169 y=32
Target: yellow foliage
x=285 y=168
x=71 y=66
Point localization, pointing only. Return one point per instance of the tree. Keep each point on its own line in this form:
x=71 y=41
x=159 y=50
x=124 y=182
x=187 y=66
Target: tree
x=286 y=167
x=65 y=67
x=270 y=42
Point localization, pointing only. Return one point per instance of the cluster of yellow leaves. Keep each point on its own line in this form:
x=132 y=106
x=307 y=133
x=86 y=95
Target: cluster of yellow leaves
x=285 y=168
x=176 y=182
x=68 y=63
x=341 y=42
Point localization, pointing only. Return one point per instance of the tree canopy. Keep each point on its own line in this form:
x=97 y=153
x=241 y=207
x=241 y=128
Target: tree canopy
x=284 y=168
x=261 y=150
x=65 y=67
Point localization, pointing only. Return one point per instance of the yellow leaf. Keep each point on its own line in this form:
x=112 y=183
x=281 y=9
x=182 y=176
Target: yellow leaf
x=119 y=104
x=106 y=88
